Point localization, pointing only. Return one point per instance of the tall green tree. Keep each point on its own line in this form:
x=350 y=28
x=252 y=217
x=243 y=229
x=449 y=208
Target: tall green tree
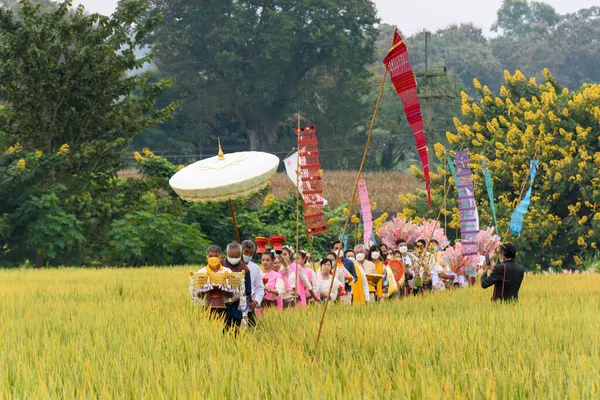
x=535 y=37
x=518 y=18
x=252 y=60
x=72 y=106
x=15 y=5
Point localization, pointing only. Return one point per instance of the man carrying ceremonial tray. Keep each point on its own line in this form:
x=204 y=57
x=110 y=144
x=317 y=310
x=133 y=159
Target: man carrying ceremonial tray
x=366 y=267
x=219 y=287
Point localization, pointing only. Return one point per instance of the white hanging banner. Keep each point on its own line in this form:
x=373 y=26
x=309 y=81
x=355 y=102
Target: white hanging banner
x=291 y=168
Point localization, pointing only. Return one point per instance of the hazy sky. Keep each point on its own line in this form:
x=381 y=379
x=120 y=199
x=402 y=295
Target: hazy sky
x=413 y=15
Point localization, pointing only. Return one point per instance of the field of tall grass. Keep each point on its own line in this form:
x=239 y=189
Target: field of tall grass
x=81 y=333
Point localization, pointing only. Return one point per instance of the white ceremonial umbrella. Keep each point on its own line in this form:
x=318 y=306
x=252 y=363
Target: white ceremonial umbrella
x=225 y=177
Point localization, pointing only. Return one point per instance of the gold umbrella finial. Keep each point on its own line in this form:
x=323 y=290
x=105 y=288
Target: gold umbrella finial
x=221 y=155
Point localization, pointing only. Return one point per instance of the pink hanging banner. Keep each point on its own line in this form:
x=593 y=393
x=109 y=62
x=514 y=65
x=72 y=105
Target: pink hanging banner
x=365 y=210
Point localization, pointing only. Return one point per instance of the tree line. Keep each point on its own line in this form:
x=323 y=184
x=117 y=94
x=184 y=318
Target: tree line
x=77 y=96
x=242 y=70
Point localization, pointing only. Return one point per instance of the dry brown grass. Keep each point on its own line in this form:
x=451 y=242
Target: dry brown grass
x=384 y=187
x=131 y=173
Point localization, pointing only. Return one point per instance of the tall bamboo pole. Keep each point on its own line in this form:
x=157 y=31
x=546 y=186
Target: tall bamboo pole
x=297 y=200
x=362 y=164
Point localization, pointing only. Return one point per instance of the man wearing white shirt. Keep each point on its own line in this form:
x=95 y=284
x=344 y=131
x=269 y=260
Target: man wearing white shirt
x=402 y=246
x=258 y=287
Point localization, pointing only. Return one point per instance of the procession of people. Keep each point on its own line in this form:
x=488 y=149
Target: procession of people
x=234 y=287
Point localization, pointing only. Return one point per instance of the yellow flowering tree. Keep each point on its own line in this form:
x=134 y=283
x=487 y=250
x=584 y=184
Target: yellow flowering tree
x=530 y=120
x=70 y=109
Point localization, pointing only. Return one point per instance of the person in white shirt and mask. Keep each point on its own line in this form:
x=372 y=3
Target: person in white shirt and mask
x=258 y=287
x=326 y=280
x=439 y=275
x=402 y=246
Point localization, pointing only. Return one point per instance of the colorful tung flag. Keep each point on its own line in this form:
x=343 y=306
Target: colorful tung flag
x=489 y=184
x=516 y=222
x=467 y=207
x=452 y=169
x=365 y=210
x=403 y=78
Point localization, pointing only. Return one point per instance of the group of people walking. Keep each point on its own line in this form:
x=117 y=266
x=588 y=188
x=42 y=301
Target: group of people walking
x=293 y=279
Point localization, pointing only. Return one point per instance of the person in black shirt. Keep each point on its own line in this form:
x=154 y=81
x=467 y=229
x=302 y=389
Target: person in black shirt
x=506 y=277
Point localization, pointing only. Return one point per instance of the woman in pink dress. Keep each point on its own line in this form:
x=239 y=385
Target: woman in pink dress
x=296 y=275
x=286 y=300
x=274 y=283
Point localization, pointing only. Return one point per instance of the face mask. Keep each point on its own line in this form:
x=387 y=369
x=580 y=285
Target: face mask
x=403 y=249
x=247 y=259
x=389 y=256
x=436 y=248
x=375 y=255
x=233 y=261
x=360 y=257
x=214 y=261
x=351 y=258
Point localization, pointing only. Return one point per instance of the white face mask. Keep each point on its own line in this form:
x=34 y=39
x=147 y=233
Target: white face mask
x=233 y=261
x=360 y=257
x=350 y=258
x=389 y=256
x=375 y=255
x=247 y=259
x=403 y=249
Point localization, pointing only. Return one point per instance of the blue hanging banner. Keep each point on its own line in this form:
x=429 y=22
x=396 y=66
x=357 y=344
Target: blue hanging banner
x=489 y=184
x=452 y=169
x=345 y=241
x=516 y=222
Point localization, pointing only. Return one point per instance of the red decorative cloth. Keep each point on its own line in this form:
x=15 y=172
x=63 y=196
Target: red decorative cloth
x=403 y=78
x=312 y=181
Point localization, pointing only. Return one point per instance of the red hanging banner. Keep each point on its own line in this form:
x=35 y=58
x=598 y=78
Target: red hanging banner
x=311 y=180
x=403 y=78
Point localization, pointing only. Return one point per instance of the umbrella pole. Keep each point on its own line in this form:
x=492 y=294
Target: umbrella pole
x=237 y=233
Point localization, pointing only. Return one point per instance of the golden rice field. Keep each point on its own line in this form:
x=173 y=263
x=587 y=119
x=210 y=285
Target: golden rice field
x=78 y=333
